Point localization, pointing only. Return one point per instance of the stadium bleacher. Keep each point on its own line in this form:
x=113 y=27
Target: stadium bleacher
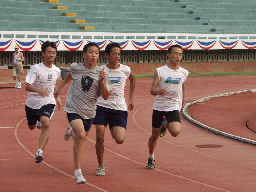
x=166 y=21
x=141 y=16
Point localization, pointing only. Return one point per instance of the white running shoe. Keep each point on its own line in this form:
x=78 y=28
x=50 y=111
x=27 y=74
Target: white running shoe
x=38 y=125
x=68 y=133
x=101 y=171
x=80 y=178
x=39 y=157
x=19 y=85
x=16 y=84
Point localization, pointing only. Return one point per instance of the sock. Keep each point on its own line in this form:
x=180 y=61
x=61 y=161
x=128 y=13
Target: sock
x=165 y=123
x=39 y=151
x=38 y=124
x=69 y=129
x=77 y=171
x=17 y=83
x=151 y=156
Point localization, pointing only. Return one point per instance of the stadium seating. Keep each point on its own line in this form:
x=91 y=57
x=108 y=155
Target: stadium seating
x=143 y=16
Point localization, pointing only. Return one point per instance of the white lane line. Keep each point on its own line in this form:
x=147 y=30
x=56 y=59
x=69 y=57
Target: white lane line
x=185 y=178
x=7 y=127
x=44 y=162
x=186 y=148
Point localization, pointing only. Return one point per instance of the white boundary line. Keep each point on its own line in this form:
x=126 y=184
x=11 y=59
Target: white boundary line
x=7 y=127
x=200 y=100
x=186 y=148
x=185 y=178
x=51 y=166
x=124 y=157
x=185 y=112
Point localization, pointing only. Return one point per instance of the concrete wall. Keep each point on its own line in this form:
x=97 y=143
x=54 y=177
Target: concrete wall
x=148 y=69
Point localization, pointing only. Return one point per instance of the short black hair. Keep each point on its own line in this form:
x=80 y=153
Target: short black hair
x=110 y=46
x=171 y=47
x=90 y=45
x=48 y=44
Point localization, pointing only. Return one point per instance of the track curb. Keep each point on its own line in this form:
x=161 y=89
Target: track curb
x=214 y=130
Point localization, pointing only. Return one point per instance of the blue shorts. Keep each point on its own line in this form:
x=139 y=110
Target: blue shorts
x=105 y=116
x=171 y=116
x=33 y=115
x=87 y=122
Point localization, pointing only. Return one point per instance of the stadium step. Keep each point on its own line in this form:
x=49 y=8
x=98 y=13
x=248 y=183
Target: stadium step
x=78 y=21
x=52 y=1
x=87 y=28
x=61 y=7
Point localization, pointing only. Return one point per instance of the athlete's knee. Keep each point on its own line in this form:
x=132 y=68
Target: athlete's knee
x=174 y=128
x=119 y=141
x=175 y=133
x=45 y=124
x=80 y=137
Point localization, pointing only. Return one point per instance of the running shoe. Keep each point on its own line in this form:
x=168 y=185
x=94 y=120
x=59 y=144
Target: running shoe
x=150 y=164
x=39 y=157
x=80 y=178
x=163 y=128
x=68 y=133
x=101 y=171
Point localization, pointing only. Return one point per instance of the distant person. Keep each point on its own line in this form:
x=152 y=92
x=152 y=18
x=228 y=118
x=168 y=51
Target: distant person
x=113 y=111
x=168 y=87
x=40 y=104
x=88 y=83
x=18 y=71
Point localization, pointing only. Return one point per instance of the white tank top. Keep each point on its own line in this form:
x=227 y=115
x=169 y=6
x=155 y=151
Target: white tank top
x=172 y=82
x=16 y=56
x=118 y=79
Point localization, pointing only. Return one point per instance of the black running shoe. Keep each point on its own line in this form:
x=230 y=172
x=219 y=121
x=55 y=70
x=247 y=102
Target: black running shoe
x=150 y=164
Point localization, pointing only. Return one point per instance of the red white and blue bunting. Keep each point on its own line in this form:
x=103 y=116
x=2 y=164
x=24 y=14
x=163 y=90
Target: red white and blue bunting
x=228 y=45
x=123 y=44
x=206 y=44
x=185 y=44
x=101 y=44
x=249 y=45
x=73 y=46
x=4 y=45
x=141 y=45
x=26 y=45
x=161 y=44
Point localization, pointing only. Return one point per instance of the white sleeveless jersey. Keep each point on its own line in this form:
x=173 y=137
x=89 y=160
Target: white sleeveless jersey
x=118 y=79
x=172 y=82
x=42 y=77
x=16 y=56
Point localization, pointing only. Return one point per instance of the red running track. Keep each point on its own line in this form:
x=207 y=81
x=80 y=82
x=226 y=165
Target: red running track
x=197 y=160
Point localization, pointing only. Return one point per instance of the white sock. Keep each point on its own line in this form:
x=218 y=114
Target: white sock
x=39 y=151
x=77 y=171
x=17 y=83
x=69 y=129
x=151 y=156
x=38 y=124
x=165 y=123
